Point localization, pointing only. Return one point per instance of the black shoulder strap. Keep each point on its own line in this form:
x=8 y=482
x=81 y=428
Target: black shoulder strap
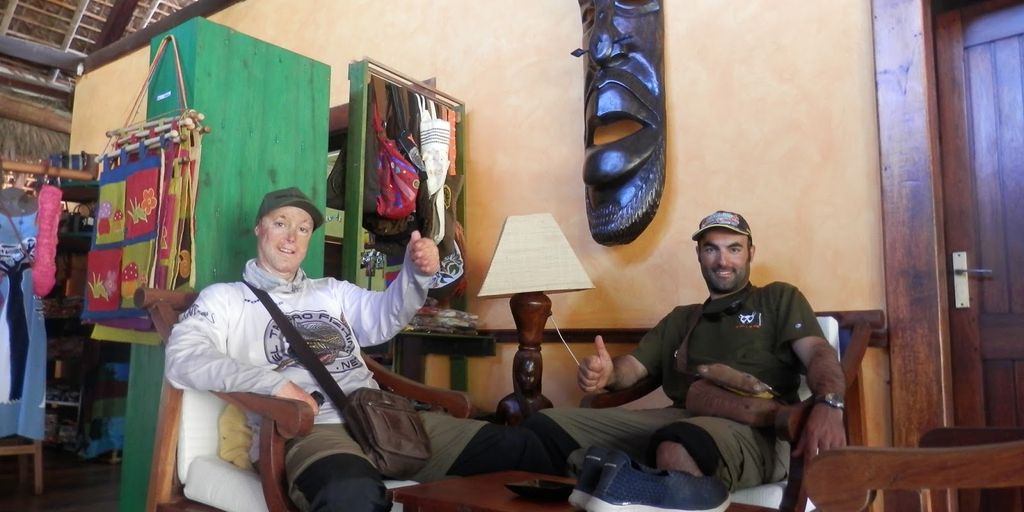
x=691 y=316
x=301 y=348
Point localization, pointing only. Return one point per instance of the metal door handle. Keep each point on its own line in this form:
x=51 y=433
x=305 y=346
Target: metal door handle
x=961 y=287
x=980 y=271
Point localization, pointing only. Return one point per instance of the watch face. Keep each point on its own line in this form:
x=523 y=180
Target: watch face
x=833 y=400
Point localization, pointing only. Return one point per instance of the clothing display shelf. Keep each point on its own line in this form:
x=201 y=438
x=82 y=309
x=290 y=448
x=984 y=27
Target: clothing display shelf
x=360 y=132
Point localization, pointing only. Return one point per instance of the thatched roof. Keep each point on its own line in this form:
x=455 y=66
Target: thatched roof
x=38 y=37
x=32 y=126
x=24 y=142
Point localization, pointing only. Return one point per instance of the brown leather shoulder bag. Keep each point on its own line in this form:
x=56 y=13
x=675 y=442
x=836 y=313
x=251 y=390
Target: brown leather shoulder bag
x=387 y=426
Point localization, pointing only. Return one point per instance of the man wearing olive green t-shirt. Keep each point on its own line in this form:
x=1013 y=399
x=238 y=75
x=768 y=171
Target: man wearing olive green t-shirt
x=769 y=332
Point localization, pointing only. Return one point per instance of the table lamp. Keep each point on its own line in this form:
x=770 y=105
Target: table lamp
x=532 y=259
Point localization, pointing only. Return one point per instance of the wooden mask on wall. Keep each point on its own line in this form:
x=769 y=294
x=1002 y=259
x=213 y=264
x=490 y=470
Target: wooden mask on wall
x=624 y=167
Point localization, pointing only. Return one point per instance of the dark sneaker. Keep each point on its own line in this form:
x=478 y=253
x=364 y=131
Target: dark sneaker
x=590 y=475
x=629 y=486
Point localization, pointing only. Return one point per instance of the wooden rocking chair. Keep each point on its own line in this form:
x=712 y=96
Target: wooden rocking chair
x=790 y=495
x=848 y=479
x=187 y=474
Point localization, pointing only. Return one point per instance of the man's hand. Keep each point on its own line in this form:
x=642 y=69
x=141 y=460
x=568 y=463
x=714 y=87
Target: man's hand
x=595 y=370
x=423 y=252
x=823 y=431
x=293 y=391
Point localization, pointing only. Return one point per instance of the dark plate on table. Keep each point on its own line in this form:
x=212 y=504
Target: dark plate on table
x=541 y=490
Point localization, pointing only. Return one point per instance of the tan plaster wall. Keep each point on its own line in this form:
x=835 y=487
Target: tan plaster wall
x=771 y=113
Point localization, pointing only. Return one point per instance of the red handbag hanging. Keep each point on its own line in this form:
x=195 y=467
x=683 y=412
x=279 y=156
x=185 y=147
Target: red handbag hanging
x=399 y=180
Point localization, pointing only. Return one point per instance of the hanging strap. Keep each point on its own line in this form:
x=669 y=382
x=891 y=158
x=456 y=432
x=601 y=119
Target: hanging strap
x=301 y=348
x=692 y=317
x=179 y=78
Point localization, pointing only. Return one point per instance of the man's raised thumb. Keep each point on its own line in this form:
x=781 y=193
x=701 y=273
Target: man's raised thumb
x=602 y=352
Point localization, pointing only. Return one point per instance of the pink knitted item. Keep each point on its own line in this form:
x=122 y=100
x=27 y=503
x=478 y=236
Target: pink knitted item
x=44 y=270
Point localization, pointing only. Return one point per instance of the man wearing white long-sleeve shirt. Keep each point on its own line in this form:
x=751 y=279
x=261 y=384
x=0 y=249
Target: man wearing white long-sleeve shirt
x=227 y=341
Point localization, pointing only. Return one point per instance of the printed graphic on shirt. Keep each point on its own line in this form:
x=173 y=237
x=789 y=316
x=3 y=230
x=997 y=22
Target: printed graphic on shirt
x=194 y=310
x=12 y=256
x=751 y=320
x=330 y=339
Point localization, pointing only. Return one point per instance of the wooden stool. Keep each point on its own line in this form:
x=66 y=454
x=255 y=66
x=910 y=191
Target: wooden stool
x=23 y=448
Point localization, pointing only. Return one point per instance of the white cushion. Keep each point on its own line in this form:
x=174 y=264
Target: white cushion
x=198 y=434
x=218 y=483
x=830 y=328
x=767 y=495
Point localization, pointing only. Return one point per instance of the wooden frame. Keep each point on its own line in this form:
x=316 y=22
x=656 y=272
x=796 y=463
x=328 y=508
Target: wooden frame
x=32 y=449
x=958 y=457
x=915 y=247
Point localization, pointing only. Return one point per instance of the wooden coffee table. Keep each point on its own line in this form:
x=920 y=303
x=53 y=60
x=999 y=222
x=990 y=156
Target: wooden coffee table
x=480 y=493
x=487 y=493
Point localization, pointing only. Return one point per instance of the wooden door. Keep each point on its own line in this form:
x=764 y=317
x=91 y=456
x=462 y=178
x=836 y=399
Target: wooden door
x=979 y=55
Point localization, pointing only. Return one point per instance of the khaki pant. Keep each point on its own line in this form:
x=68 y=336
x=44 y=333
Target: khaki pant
x=448 y=437
x=750 y=456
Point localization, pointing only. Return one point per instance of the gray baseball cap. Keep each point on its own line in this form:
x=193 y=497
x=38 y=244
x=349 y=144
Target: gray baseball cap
x=290 y=196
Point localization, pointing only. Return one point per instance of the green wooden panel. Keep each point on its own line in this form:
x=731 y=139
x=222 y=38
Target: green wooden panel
x=359 y=94
x=144 y=383
x=268 y=109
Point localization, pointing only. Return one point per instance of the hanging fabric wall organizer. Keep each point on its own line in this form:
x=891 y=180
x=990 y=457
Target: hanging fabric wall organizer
x=144 y=234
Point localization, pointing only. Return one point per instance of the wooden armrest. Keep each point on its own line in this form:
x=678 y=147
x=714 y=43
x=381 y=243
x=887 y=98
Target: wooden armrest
x=282 y=419
x=291 y=418
x=620 y=396
x=847 y=478
x=178 y=300
x=948 y=437
x=456 y=403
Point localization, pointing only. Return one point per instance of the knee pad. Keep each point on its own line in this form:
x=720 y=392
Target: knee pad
x=343 y=482
x=697 y=442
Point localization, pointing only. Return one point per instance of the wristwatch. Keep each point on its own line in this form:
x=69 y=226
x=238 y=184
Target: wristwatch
x=831 y=400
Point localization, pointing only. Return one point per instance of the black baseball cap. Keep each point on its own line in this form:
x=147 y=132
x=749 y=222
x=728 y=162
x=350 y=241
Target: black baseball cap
x=290 y=196
x=723 y=219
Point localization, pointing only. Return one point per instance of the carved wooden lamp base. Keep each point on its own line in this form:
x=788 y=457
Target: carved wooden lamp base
x=530 y=311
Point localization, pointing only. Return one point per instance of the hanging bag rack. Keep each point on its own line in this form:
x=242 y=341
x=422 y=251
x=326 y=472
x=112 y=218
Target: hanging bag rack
x=393 y=76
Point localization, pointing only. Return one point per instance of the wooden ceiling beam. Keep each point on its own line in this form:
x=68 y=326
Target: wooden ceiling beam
x=46 y=13
x=149 y=13
x=107 y=54
x=40 y=54
x=117 y=22
x=76 y=20
x=17 y=109
x=5 y=22
x=34 y=86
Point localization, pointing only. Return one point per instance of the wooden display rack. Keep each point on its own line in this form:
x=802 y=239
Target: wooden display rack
x=45 y=169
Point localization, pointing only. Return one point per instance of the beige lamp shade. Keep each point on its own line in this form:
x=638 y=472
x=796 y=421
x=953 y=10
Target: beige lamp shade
x=533 y=256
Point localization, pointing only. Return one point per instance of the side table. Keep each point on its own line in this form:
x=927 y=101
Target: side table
x=480 y=493
x=411 y=349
